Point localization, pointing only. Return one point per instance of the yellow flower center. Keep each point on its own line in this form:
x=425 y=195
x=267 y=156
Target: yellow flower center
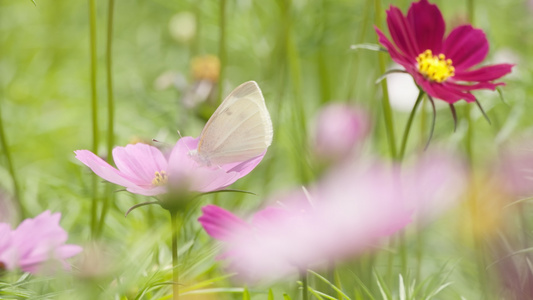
x=160 y=178
x=433 y=67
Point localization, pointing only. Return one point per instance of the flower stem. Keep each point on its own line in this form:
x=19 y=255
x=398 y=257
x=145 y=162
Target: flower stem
x=387 y=110
x=408 y=125
x=11 y=169
x=175 y=270
x=305 y=284
x=470 y=11
x=110 y=109
x=353 y=63
x=94 y=109
x=222 y=48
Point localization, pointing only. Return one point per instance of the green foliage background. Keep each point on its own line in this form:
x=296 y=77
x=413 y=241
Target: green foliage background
x=299 y=53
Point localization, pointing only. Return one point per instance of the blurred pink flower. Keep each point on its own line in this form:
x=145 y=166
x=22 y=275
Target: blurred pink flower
x=442 y=67
x=339 y=128
x=145 y=170
x=345 y=213
x=515 y=170
x=34 y=243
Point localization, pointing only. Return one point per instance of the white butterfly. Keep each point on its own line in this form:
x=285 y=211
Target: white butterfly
x=238 y=130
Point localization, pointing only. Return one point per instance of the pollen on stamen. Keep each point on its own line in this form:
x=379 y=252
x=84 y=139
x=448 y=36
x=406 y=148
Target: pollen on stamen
x=435 y=67
x=160 y=178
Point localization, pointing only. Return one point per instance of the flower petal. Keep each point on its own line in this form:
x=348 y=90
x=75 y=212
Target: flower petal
x=105 y=170
x=466 y=46
x=406 y=61
x=220 y=223
x=140 y=160
x=428 y=25
x=487 y=73
x=473 y=87
x=450 y=94
x=186 y=172
x=401 y=32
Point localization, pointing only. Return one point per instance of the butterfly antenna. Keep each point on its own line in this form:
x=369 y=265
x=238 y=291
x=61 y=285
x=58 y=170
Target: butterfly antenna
x=181 y=136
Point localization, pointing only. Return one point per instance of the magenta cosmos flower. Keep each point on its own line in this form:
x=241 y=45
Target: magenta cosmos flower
x=442 y=67
x=145 y=170
x=347 y=212
x=35 y=243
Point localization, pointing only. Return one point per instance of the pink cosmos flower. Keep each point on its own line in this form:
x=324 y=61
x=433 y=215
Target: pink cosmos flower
x=145 y=170
x=339 y=128
x=34 y=243
x=345 y=213
x=442 y=67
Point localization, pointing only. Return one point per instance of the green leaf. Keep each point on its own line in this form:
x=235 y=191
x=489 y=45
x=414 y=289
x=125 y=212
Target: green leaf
x=270 y=294
x=246 y=294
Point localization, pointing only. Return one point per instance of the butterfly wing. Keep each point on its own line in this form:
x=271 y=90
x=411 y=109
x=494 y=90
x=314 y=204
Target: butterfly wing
x=239 y=129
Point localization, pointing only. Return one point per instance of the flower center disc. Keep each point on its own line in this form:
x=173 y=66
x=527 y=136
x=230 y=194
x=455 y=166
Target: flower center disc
x=433 y=67
x=160 y=178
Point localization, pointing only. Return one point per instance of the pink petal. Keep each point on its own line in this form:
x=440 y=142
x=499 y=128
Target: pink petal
x=39 y=240
x=105 y=170
x=452 y=93
x=466 y=47
x=67 y=251
x=443 y=91
x=487 y=73
x=428 y=25
x=184 y=169
x=407 y=62
x=245 y=167
x=402 y=33
x=139 y=160
x=472 y=87
x=220 y=223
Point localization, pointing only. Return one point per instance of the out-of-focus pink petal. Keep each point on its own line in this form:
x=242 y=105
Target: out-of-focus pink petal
x=40 y=240
x=339 y=128
x=7 y=257
x=401 y=32
x=428 y=25
x=515 y=169
x=139 y=161
x=345 y=213
x=466 y=46
x=487 y=73
x=220 y=223
x=434 y=183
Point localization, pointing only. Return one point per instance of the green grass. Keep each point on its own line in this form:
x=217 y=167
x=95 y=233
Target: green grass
x=299 y=53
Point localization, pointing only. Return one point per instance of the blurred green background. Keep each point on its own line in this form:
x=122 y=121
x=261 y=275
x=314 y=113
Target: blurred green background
x=298 y=52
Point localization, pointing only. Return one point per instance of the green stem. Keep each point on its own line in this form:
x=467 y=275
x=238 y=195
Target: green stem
x=353 y=69
x=305 y=284
x=387 y=110
x=222 y=48
x=110 y=108
x=175 y=270
x=94 y=109
x=11 y=169
x=470 y=11
x=409 y=123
